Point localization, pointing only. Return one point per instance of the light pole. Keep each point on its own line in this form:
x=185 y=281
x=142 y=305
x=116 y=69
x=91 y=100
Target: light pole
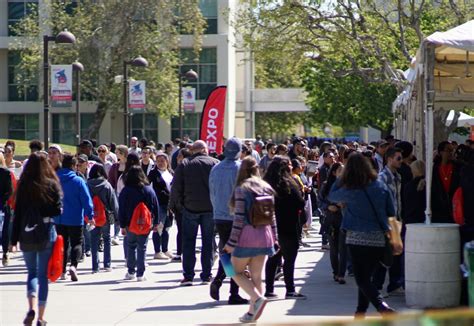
x=190 y=74
x=137 y=62
x=62 y=37
x=78 y=68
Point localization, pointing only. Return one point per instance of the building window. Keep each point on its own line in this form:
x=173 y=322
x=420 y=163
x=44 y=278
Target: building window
x=145 y=125
x=206 y=67
x=191 y=126
x=23 y=126
x=17 y=9
x=209 y=11
x=64 y=127
x=19 y=91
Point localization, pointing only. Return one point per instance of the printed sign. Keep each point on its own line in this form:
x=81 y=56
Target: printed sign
x=61 y=86
x=212 y=120
x=189 y=99
x=136 y=94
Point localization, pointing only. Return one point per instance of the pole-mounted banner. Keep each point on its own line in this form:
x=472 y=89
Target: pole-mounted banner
x=212 y=119
x=61 y=86
x=137 y=94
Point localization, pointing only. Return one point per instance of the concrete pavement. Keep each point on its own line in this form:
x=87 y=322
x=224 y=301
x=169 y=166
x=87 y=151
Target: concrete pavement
x=106 y=299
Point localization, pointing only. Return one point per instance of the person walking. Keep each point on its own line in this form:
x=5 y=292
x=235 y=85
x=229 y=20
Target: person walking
x=161 y=178
x=136 y=191
x=221 y=186
x=190 y=191
x=38 y=196
x=77 y=204
x=367 y=204
x=7 y=187
x=248 y=244
x=114 y=175
x=101 y=190
x=289 y=204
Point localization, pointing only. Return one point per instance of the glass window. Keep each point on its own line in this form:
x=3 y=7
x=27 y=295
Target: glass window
x=209 y=11
x=145 y=125
x=191 y=126
x=206 y=68
x=64 y=127
x=17 y=9
x=19 y=91
x=23 y=126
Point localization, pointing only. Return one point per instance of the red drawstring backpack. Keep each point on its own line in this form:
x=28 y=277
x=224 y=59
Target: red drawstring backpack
x=100 y=217
x=55 y=263
x=141 y=222
x=458 y=206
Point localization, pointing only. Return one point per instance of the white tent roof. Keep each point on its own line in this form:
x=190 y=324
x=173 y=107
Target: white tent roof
x=460 y=37
x=463 y=121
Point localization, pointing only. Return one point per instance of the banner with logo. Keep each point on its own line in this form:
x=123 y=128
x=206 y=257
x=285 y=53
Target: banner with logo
x=189 y=99
x=61 y=86
x=136 y=94
x=212 y=120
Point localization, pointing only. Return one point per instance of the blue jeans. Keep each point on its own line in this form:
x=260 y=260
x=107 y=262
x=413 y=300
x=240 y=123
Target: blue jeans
x=136 y=253
x=190 y=224
x=37 y=266
x=160 y=242
x=95 y=237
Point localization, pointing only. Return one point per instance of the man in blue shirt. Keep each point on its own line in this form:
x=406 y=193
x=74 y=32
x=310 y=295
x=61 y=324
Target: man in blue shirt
x=221 y=186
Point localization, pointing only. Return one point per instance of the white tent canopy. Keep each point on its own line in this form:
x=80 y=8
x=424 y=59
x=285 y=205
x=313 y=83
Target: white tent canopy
x=465 y=120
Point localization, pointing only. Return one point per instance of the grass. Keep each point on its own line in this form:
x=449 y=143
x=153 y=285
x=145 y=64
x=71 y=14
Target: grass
x=22 y=149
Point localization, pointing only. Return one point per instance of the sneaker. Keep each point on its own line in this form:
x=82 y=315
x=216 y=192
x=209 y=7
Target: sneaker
x=169 y=254
x=129 y=277
x=95 y=271
x=108 y=269
x=88 y=253
x=236 y=300
x=295 y=295
x=247 y=318
x=73 y=273
x=160 y=255
x=63 y=277
x=81 y=259
x=41 y=322
x=30 y=316
x=325 y=247
x=271 y=296
x=278 y=276
x=186 y=282
x=397 y=292
x=114 y=242
x=214 y=289
x=141 y=278
x=384 y=294
x=176 y=259
x=6 y=259
x=385 y=309
x=206 y=281
x=258 y=307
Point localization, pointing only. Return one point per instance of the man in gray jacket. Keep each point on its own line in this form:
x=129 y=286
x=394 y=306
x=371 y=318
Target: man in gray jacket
x=221 y=187
x=190 y=191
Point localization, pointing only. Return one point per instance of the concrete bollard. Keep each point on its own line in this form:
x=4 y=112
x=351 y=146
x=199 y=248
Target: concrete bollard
x=432 y=262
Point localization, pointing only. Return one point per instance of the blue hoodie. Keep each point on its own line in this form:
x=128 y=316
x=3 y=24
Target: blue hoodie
x=77 y=201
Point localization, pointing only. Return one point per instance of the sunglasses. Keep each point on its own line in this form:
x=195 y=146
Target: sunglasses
x=101 y=151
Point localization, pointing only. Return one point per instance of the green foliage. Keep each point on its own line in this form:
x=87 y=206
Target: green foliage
x=269 y=123
x=109 y=33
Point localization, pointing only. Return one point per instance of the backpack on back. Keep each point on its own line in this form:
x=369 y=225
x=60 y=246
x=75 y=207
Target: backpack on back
x=34 y=235
x=141 y=222
x=262 y=210
x=100 y=217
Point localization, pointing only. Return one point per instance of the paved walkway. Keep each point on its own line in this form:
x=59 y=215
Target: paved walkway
x=106 y=299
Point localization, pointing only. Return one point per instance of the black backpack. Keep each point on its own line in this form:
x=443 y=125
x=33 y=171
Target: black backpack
x=34 y=234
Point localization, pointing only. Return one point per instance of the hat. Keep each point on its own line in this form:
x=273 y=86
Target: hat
x=85 y=142
x=382 y=142
x=56 y=147
x=82 y=158
x=232 y=148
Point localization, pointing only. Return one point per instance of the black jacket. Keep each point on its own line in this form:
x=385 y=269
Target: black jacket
x=407 y=176
x=288 y=207
x=190 y=189
x=442 y=202
x=6 y=187
x=414 y=202
x=159 y=186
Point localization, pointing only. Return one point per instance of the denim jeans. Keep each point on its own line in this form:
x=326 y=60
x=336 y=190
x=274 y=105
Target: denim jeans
x=338 y=252
x=160 y=242
x=37 y=266
x=95 y=238
x=136 y=253
x=190 y=225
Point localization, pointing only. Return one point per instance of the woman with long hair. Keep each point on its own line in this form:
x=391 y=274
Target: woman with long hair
x=100 y=187
x=137 y=190
x=333 y=219
x=160 y=178
x=248 y=244
x=367 y=204
x=289 y=205
x=38 y=192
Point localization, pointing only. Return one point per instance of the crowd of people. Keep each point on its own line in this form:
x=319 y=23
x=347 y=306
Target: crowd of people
x=258 y=197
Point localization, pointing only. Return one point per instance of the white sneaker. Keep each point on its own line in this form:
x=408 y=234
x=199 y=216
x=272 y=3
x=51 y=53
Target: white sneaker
x=141 y=278
x=73 y=273
x=115 y=242
x=160 y=255
x=398 y=292
x=108 y=269
x=63 y=277
x=129 y=277
x=169 y=254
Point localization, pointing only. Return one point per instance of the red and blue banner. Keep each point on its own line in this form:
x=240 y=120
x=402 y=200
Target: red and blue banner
x=212 y=120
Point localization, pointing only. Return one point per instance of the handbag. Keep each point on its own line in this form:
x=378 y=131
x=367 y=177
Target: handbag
x=55 y=263
x=392 y=241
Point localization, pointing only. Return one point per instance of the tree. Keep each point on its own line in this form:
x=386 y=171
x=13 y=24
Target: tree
x=109 y=32
x=362 y=41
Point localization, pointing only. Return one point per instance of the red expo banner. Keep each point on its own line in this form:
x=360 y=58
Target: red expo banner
x=212 y=120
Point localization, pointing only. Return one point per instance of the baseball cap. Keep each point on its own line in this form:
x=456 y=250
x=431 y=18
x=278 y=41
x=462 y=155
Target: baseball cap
x=382 y=143
x=85 y=142
x=56 y=147
x=82 y=158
